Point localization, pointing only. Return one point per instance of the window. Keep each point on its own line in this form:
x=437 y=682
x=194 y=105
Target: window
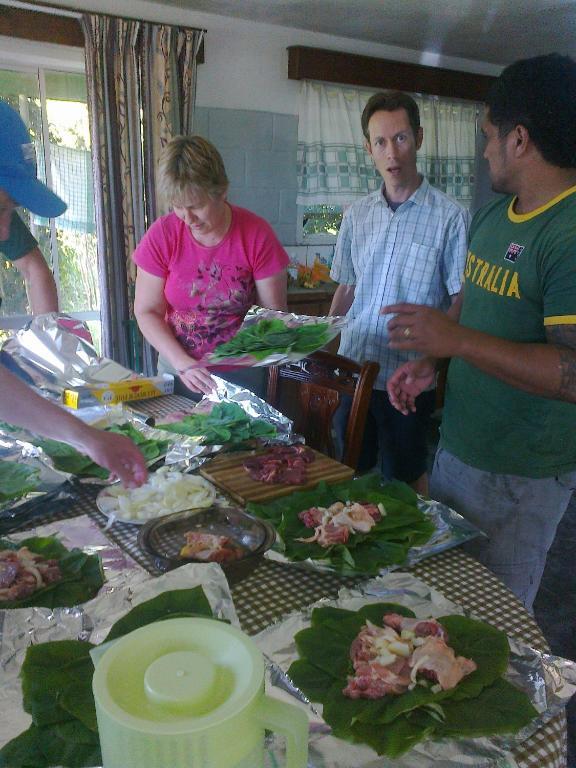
x=320 y=223
x=53 y=105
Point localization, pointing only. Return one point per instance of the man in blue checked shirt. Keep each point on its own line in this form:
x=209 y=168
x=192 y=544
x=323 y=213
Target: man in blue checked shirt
x=406 y=242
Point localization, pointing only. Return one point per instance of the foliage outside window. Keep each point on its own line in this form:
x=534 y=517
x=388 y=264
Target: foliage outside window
x=321 y=220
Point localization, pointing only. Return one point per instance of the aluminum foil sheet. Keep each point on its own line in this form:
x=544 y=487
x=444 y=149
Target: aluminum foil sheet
x=550 y=681
x=126 y=586
x=451 y=530
x=190 y=449
x=54 y=352
x=290 y=319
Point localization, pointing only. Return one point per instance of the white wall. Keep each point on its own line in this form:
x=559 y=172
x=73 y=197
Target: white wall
x=246 y=63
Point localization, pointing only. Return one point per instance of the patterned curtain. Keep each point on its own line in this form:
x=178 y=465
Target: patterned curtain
x=335 y=169
x=141 y=91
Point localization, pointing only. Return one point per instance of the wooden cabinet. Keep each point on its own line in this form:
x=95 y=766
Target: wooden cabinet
x=310 y=301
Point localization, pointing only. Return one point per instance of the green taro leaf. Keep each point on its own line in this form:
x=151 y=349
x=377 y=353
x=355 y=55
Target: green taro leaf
x=16 y=480
x=151 y=448
x=169 y=605
x=396 y=738
x=226 y=423
x=78 y=702
x=82 y=574
x=47 y=671
x=71 y=745
x=25 y=751
x=316 y=682
x=271 y=337
x=402 y=527
x=67 y=745
x=334 y=660
x=499 y=708
x=393 y=723
x=68 y=459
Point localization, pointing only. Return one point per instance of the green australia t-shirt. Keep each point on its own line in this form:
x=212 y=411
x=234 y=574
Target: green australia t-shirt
x=20 y=241
x=520 y=277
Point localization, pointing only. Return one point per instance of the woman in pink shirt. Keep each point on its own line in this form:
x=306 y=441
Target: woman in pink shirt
x=201 y=267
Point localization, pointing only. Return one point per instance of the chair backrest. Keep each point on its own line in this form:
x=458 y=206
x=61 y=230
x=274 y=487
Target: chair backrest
x=320 y=380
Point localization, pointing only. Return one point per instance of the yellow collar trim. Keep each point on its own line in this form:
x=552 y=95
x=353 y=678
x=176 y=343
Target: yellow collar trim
x=560 y=320
x=517 y=218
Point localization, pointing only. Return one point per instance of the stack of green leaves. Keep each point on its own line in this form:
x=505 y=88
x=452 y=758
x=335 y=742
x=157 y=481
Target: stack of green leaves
x=57 y=689
x=68 y=459
x=273 y=337
x=387 y=543
x=482 y=704
x=81 y=579
x=226 y=423
x=16 y=480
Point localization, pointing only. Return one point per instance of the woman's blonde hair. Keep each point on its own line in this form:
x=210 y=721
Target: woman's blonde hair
x=190 y=164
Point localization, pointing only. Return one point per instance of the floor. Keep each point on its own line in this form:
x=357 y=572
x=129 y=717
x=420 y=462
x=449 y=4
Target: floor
x=555 y=605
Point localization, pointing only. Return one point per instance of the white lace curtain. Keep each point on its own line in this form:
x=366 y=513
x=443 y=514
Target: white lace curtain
x=335 y=169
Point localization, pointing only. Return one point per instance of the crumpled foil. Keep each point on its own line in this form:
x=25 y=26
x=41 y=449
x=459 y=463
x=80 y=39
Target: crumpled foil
x=126 y=586
x=190 y=450
x=52 y=486
x=451 y=530
x=54 y=352
x=290 y=319
x=550 y=681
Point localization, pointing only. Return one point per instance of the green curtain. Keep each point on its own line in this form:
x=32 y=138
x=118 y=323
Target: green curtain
x=335 y=169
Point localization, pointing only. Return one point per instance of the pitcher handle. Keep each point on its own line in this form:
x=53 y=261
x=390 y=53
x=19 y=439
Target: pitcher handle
x=289 y=721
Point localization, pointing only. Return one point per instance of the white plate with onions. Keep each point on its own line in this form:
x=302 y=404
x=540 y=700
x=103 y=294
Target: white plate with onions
x=165 y=492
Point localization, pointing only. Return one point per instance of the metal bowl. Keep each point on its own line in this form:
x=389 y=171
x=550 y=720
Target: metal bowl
x=164 y=537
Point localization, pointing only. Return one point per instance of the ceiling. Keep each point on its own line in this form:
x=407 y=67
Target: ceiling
x=495 y=31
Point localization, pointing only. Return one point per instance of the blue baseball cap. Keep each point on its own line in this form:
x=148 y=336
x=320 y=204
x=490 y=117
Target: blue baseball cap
x=18 y=168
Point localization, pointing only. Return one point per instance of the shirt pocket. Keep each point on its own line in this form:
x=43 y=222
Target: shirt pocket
x=420 y=275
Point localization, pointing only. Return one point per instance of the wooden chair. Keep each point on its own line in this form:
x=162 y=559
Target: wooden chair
x=309 y=393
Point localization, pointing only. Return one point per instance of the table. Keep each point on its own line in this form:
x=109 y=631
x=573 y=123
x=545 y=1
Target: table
x=274 y=589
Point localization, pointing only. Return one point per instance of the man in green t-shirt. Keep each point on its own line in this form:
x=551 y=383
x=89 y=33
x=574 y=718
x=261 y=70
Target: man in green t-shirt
x=507 y=453
x=19 y=186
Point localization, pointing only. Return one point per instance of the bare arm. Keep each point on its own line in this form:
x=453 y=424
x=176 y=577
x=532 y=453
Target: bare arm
x=271 y=292
x=150 y=311
x=548 y=369
x=40 y=284
x=342 y=300
x=21 y=406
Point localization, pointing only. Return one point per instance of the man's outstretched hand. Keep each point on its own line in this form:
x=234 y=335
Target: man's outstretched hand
x=408 y=381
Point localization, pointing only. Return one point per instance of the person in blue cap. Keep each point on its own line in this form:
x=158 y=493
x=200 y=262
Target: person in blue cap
x=19 y=186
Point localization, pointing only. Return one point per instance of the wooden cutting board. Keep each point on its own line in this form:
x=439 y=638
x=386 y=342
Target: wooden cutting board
x=227 y=473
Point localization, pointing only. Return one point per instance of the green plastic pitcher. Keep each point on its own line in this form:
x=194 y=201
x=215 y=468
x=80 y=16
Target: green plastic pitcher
x=189 y=693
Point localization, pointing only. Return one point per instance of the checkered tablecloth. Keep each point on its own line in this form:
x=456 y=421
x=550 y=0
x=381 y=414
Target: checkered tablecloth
x=273 y=589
